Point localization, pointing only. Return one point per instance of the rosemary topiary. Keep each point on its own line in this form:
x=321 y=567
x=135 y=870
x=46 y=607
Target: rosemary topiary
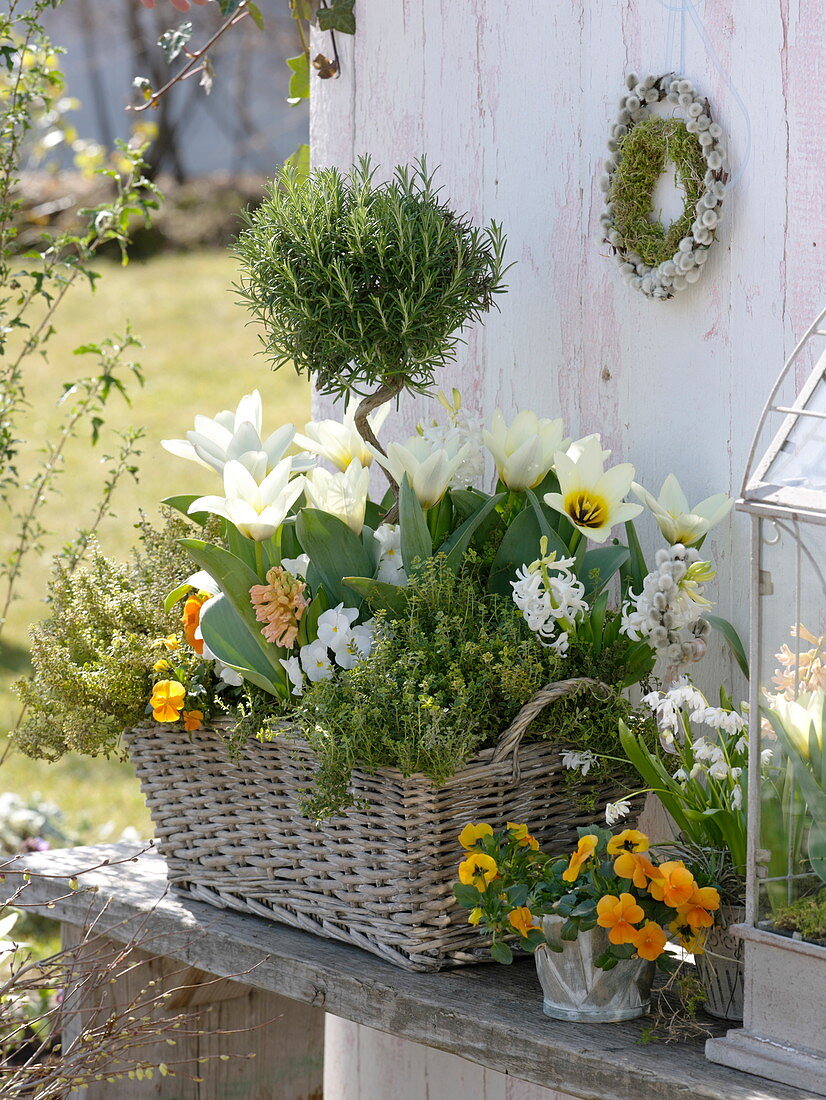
x=365 y=286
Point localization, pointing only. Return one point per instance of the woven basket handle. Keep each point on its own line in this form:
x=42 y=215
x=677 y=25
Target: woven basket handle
x=512 y=737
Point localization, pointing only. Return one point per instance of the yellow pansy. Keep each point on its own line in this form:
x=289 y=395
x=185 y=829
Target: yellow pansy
x=472 y=834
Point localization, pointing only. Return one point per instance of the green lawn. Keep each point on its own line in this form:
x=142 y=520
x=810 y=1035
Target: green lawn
x=198 y=357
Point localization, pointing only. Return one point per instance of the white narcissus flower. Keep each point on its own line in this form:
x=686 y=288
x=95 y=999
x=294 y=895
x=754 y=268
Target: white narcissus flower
x=236 y=437
x=675 y=519
x=590 y=496
x=430 y=471
x=292 y=666
x=523 y=450
x=391 y=567
x=315 y=660
x=339 y=441
x=342 y=494
x=333 y=628
x=616 y=811
x=256 y=510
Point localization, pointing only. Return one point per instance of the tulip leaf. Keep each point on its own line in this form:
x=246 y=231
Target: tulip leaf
x=456 y=546
x=175 y=595
x=235 y=579
x=417 y=545
x=817 y=850
x=635 y=570
x=308 y=626
x=241 y=547
x=379 y=595
x=334 y=551
x=600 y=565
x=547 y=520
x=467 y=501
x=182 y=502
x=735 y=643
x=227 y=635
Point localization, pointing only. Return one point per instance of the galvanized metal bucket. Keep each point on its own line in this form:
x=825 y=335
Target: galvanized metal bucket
x=720 y=966
x=574 y=989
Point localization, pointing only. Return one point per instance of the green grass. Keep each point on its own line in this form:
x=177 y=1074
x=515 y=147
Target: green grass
x=198 y=357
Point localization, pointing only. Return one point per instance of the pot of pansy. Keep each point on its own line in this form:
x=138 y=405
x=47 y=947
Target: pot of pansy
x=597 y=922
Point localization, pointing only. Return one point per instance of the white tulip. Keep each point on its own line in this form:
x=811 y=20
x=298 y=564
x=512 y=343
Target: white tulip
x=524 y=451
x=429 y=471
x=590 y=496
x=341 y=494
x=675 y=519
x=340 y=442
x=257 y=511
x=236 y=437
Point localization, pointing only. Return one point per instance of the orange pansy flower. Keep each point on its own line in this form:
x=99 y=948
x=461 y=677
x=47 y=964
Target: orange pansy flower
x=636 y=867
x=193 y=720
x=690 y=939
x=695 y=913
x=650 y=941
x=619 y=915
x=673 y=885
x=522 y=920
x=191 y=618
x=478 y=870
x=584 y=850
x=521 y=835
x=629 y=840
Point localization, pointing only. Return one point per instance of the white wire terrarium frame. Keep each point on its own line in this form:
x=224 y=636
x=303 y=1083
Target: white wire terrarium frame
x=784 y=494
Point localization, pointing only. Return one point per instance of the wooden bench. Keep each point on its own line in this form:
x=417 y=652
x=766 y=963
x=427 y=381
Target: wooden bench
x=291 y=982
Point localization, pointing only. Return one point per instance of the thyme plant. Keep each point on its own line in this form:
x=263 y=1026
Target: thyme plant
x=365 y=286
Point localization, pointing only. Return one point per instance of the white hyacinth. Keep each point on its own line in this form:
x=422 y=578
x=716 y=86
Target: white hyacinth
x=550 y=598
x=461 y=428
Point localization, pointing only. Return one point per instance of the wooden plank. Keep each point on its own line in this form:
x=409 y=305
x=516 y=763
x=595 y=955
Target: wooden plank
x=486 y=1014
x=243 y=1041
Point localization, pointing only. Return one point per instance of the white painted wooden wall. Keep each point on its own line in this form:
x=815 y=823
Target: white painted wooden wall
x=513 y=99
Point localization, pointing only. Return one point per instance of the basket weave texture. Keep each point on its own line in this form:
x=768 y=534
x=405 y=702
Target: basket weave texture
x=380 y=876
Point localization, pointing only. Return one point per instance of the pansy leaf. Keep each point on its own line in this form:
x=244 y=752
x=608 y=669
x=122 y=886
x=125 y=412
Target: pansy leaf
x=467 y=896
x=501 y=953
x=570 y=930
x=518 y=895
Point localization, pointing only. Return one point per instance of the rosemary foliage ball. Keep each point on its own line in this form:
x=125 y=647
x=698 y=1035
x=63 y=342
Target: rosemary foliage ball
x=646 y=150
x=363 y=284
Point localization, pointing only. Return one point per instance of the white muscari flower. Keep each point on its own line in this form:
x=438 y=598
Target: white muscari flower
x=236 y=437
x=684 y=694
x=675 y=519
x=719 y=769
x=523 y=450
x=581 y=761
x=766 y=757
x=589 y=495
x=616 y=811
x=315 y=661
x=333 y=627
x=681 y=775
x=727 y=720
x=391 y=567
x=737 y=798
x=339 y=441
x=256 y=510
x=343 y=494
x=430 y=472
x=292 y=666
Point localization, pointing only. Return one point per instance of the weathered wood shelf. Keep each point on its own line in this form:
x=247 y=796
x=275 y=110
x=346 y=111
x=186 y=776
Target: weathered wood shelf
x=487 y=1014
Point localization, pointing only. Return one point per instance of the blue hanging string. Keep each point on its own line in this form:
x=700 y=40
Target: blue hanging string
x=685 y=8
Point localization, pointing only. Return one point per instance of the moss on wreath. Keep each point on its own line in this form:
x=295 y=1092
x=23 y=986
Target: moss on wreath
x=645 y=152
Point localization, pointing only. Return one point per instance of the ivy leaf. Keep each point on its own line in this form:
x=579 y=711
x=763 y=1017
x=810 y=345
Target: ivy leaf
x=300 y=79
x=299 y=161
x=255 y=15
x=467 y=896
x=501 y=953
x=338 y=16
x=173 y=41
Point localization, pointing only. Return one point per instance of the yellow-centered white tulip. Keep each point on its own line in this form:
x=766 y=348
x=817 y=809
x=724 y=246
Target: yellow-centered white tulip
x=523 y=450
x=589 y=495
x=429 y=471
x=675 y=519
x=799 y=716
x=339 y=441
x=343 y=494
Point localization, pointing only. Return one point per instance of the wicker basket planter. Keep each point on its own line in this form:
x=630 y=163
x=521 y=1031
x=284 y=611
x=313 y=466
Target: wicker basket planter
x=379 y=877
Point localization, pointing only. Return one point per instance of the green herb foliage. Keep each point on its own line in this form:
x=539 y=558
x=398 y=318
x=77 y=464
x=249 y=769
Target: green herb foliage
x=359 y=283
x=93 y=656
x=806 y=916
x=645 y=152
x=445 y=680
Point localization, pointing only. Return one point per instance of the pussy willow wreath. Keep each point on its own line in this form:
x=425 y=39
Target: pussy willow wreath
x=660 y=260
